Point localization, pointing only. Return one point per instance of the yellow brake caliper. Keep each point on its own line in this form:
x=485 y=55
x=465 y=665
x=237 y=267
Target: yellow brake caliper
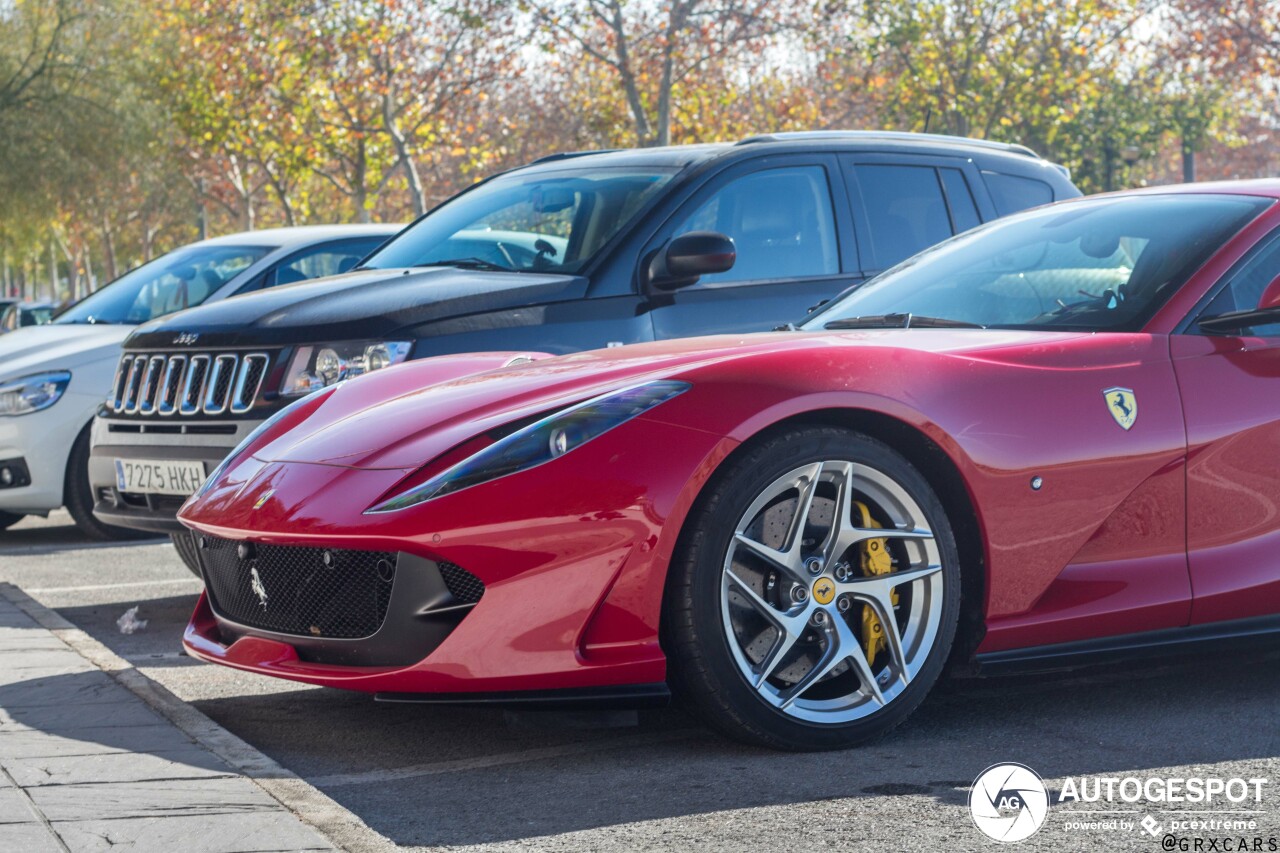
x=874 y=560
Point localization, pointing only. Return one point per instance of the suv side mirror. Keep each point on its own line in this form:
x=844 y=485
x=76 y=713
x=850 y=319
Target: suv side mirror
x=689 y=257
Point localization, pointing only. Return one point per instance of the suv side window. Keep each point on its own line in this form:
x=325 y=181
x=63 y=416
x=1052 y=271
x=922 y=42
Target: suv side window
x=320 y=260
x=1245 y=285
x=964 y=213
x=1012 y=193
x=906 y=210
x=781 y=220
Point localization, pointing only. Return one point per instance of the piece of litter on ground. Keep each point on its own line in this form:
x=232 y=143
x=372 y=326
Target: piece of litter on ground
x=129 y=623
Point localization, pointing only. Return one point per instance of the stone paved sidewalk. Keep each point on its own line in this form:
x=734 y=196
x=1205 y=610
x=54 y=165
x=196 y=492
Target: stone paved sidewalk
x=85 y=764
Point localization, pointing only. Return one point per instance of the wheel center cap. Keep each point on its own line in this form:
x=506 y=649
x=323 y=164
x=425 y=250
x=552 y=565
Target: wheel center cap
x=824 y=590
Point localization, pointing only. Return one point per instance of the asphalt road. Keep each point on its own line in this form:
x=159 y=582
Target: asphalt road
x=482 y=779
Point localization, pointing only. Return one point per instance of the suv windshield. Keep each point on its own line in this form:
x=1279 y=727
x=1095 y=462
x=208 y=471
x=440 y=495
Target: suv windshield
x=541 y=221
x=172 y=282
x=1101 y=265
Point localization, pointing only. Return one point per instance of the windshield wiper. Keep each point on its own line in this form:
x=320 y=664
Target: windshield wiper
x=469 y=264
x=900 y=321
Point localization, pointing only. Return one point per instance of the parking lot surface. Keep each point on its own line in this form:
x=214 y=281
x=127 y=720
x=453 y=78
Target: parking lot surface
x=482 y=779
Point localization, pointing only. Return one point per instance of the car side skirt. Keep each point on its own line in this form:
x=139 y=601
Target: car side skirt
x=1260 y=632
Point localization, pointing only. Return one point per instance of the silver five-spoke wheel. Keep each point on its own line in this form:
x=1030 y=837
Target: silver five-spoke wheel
x=831 y=591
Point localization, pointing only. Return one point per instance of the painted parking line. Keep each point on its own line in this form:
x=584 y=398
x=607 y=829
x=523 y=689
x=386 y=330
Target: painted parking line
x=103 y=586
x=463 y=764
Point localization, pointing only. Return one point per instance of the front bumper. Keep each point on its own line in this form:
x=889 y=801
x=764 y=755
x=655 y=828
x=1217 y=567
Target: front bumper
x=207 y=442
x=43 y=441
x=572 y=556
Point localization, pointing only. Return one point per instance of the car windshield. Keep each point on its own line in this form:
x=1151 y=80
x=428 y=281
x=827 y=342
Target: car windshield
x=172 y=282
x=536 y=221
x=1100 y=265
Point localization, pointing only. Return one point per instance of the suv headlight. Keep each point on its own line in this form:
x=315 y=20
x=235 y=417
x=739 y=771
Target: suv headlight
x=32 y=393
x=316 y=367
x=547 y=439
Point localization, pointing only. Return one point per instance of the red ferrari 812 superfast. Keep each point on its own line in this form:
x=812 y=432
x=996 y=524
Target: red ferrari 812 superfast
x=1045 y=442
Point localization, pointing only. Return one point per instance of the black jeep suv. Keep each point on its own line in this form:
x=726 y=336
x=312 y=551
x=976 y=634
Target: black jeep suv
x=572 y=252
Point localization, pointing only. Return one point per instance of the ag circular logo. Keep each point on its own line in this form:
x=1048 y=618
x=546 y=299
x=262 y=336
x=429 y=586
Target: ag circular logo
x=824 y=589
x=1008 y=802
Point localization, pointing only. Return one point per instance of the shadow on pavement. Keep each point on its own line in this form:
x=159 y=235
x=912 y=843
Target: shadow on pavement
x=48 y=539
x=472 y=778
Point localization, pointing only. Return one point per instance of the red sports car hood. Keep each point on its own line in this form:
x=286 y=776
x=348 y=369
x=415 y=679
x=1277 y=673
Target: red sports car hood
x=405 y=416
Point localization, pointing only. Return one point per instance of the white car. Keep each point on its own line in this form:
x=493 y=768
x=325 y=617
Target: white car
x=53 y=378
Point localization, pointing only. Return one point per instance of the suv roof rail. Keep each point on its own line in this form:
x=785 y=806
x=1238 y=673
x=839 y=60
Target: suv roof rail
x=569 y=155
x=893 y=135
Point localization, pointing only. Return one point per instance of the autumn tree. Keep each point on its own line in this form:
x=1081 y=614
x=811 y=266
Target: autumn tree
x=655 y=55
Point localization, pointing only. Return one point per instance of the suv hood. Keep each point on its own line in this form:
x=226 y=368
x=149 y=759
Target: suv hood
x=360 y=305
x=35 y=349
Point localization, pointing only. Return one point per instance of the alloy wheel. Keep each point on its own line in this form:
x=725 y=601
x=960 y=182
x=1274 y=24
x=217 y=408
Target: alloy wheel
x=831 y=592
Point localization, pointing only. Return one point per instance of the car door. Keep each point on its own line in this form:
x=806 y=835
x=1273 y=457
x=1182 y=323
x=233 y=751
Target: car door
x=905 y=203
x=331 y=257
x=1230 y=386
x=789 y=220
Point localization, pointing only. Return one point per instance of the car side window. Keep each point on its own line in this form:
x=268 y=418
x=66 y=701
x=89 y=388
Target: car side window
x=782 y=222
x=964 y=212
x=906 y=210
x=317 y=261
x=1245 y=285
x=1011 y=193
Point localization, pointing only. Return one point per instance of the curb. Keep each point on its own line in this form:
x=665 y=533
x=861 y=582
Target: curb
x=311 y=805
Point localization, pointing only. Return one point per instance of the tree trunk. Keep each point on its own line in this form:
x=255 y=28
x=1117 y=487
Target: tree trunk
x=246 y=211
x=91 y=281
x=677 y=17
x=416 y=194
x=1188 y=163
x=202 y=212
x=109 y=249
x=360 y=185
x=53 y=270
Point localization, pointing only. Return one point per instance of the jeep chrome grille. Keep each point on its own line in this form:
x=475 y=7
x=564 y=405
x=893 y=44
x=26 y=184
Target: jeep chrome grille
x=212 y=384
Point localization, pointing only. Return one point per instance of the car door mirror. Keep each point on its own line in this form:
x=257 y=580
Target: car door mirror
x=1270 y=299
x=689 y=257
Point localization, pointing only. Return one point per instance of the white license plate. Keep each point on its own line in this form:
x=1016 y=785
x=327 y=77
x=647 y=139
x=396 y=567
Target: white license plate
x=157 y=477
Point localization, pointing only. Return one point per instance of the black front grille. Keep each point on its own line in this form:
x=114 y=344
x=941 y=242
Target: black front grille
x=309 y=592
x=463 y=585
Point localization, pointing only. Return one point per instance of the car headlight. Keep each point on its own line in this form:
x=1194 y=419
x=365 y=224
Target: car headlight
x=32 y=393
x=540 y=442
x=316 y=367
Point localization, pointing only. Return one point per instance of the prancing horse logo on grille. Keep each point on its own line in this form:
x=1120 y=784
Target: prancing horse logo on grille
x=186 y=339
x=255 y=584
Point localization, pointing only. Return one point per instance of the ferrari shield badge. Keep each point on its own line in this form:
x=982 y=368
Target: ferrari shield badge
x=1123 y=406
x=266 y=496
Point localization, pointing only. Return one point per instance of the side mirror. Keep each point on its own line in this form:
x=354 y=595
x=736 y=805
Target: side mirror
x=689 y=257
x=1236 y=322
x=1270 y=298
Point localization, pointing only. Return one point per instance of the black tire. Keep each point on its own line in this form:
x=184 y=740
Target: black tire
x=8 y=519
x=703 y=672
x=185 y=545
x=78 y=497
